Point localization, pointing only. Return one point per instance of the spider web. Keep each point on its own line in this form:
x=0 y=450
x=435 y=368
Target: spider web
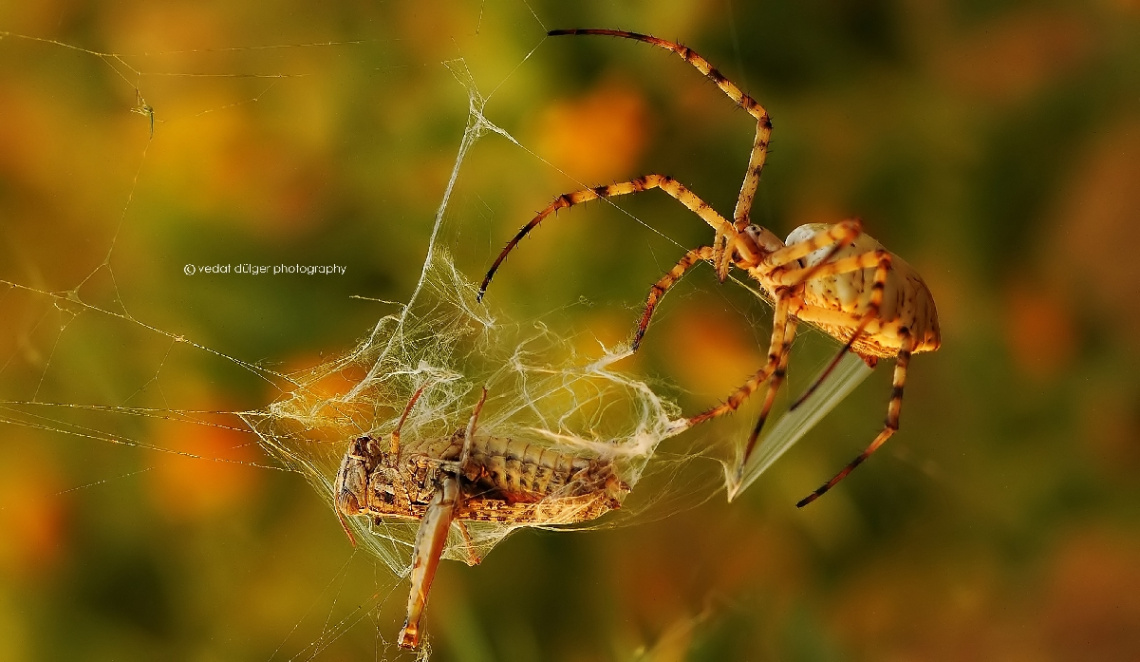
x=548 y=383
x=540 y=388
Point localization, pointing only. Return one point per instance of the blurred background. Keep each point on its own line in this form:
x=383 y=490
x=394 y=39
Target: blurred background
x=995 y=146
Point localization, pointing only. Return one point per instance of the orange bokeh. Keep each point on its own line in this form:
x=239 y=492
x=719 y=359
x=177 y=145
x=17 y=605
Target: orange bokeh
x=598 y=136
x=322 y=389
x=33 y=514
x=1092 y=603
x=1040 y=331
x=205 y=476
x=1013 y=58
x=712 y=351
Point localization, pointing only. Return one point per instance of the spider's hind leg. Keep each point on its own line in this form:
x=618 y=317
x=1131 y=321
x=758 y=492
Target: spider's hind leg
x=890 y=427
x=783 y=329
x=773 y=387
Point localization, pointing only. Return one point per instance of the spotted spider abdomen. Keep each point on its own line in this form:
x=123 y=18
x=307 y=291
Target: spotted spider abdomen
x=906 y=304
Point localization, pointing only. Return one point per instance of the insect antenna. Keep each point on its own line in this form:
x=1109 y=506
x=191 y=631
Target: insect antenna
x=470 y=435
x=344 y=525
x=395 y=448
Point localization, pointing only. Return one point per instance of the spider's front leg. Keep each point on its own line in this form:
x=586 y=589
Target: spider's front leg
x=722 y=244
x=745 y=249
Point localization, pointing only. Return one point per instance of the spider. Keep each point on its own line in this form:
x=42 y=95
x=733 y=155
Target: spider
x=466 y=477
x=832 y=276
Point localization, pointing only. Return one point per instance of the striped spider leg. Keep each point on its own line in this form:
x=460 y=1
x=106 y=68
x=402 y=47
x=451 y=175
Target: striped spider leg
x=465 y=477
x=759 y=154
x=832 y=276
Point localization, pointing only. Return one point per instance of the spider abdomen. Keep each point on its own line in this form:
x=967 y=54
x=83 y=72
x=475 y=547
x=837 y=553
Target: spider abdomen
x=906 y=302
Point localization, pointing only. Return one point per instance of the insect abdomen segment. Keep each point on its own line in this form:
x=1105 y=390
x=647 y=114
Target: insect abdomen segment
x=517 y=468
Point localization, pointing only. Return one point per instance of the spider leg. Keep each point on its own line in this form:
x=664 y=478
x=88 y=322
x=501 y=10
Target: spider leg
x=773 y=387
x=892 y=424
x=777 y=348
x=662 y=286
x=837 y=234
x=671 y=186
x=756 y=158
x=881 y=260
x=826 y=373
